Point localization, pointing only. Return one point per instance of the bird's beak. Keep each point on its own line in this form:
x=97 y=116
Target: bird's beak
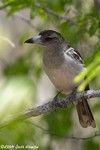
x=36 y=40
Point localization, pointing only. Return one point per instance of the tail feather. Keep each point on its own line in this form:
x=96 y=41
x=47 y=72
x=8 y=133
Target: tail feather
x=85 y=115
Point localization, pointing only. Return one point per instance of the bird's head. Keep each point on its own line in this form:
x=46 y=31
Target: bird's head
x=47 y=38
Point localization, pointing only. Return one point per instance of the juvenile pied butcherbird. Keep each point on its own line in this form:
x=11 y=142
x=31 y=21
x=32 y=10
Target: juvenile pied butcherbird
x=62 y=64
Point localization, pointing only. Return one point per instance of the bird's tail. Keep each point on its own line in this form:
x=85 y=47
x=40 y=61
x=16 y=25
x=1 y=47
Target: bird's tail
x=85 y=115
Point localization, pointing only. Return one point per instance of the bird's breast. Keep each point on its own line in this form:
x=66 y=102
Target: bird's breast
x=62 y=77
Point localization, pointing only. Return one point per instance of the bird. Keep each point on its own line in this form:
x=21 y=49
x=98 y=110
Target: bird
x=62 y=63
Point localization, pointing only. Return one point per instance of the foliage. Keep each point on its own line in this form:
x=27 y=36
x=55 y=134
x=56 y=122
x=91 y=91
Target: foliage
x=80 y=25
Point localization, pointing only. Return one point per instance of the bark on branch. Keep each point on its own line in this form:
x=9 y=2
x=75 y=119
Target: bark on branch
x=50 y=106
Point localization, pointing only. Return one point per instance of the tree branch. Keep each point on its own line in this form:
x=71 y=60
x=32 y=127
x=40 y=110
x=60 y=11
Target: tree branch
x=61 y=103
x=51 y=106
x=51 y=12
x=97 y=4
x=73 y=137
x=27 y=21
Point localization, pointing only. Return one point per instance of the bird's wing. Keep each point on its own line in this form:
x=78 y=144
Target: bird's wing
x=84 y=113
x=75 y=55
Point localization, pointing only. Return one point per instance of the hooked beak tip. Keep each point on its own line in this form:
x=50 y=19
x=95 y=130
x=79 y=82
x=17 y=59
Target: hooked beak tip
x=29 y=41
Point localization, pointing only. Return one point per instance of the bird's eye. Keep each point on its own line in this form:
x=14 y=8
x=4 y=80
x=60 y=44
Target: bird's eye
x=48 y=38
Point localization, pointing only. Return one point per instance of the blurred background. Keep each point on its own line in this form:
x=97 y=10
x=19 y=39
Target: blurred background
x=23 y=83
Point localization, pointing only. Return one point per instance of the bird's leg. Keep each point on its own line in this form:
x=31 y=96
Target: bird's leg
x=55 y=98
x=56 y=101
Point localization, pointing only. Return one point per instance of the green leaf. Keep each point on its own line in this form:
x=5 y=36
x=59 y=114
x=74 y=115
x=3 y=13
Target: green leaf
x=88 y=73
x=33 y=11
x=93 y=28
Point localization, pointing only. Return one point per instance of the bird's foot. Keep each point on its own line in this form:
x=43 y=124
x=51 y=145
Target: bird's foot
x=56 y=97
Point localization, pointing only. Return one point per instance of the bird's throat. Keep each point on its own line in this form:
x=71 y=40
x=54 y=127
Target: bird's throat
x=52 y=58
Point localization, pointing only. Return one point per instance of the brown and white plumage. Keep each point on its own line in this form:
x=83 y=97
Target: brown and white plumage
x=62 y=64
